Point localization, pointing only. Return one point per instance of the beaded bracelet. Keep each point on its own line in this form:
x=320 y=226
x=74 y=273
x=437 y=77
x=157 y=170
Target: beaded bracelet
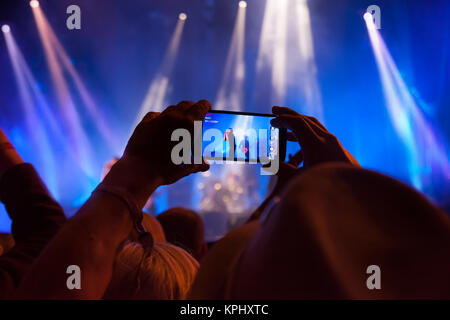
x=145 y=238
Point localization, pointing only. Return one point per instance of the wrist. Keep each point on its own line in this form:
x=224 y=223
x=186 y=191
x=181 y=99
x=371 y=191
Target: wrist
x=9 y=158
x=134 y=176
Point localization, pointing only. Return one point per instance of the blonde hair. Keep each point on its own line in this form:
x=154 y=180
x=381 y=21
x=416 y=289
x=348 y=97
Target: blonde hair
x=167 y=274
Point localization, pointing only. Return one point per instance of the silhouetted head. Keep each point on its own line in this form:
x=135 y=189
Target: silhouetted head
x=330 y=226
x=167 y=274
x=152 y=225
x=184 y=228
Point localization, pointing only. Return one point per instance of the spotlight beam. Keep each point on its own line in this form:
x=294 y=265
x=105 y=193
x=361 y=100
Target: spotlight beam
x=286 y=56
x=88 y=101
x=422 y=144
x=5 y=28
x=34 y=3
x=56 y=130
x=77 y=135
x=44 y=108
x=154 y=99
x=35 y=128
x=309 y=85
x=273 y=48
x=242 y=4
x=231 y=92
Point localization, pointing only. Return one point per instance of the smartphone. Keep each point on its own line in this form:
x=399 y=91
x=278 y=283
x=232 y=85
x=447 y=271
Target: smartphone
x=242 y=137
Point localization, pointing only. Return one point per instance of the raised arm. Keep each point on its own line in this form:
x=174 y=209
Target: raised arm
x=91 y=238
x=36 y=216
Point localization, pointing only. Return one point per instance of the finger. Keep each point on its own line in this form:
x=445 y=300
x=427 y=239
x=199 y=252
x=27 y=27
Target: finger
x=317 y=122
x=287 y=111
x=296 y=124
x=202 y=167
x=185 y=105
x=169 y=109
x=302 y=122
x=197 y=168
x=149 y=116
x=187 y=124
x=290 y=136
x=306 y=136
x=284 y=110
x=318 y=128
x=199 y=110
x=296 y=159
x=3 y=137
x=287 y=167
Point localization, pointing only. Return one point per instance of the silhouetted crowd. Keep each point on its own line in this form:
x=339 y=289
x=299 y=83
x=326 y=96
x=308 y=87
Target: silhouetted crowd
x=328 y=230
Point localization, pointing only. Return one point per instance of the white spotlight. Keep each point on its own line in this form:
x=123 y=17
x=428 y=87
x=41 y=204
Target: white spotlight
x=182 y=16
x=34 y=3
x=368 y=16
x=5 y=28
x=243 y=4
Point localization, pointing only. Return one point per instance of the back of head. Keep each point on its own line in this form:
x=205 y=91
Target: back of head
x=154 y=227
x=332 y=223
x=167 y=274
x=184 y=228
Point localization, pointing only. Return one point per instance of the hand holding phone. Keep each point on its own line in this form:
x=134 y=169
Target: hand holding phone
x=317 y=143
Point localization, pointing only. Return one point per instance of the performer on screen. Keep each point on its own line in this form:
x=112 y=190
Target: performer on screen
x=229 y=136
x=244 y=146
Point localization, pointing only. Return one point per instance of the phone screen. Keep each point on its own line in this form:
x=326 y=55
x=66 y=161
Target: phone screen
x=237 y=136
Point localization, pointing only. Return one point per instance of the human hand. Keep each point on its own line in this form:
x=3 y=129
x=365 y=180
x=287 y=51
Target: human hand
x=317 y=143
x=317 y=146
x=150 y=146
x=8 y=155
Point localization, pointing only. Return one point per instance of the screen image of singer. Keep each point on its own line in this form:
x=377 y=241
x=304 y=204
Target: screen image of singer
x=243 y=137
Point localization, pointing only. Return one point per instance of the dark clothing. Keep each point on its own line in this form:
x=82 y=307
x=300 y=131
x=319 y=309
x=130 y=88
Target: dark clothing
x=36 y=218
x=228 y=140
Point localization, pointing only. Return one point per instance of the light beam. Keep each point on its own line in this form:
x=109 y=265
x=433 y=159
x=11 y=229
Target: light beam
x=243 y=4
x=35 y=128
x=34 y=3
x=5 y=28
x=97 y=117
x=78 y=138
x=154 y=99
x=426 y=153
x=306 y=62
x=286 y=57
x=231 y=92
